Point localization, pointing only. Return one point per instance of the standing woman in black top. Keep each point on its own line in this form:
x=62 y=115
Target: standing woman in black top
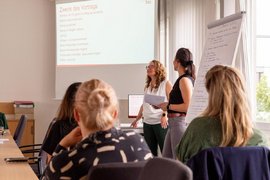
x=64 y=123
x=179 y=100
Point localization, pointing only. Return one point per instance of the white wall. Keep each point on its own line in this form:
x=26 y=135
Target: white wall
x=27 y=57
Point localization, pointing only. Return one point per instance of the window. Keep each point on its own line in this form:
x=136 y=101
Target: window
x=263 y=60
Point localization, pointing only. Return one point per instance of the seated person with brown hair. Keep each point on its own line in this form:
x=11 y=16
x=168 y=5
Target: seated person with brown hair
x=64 y=121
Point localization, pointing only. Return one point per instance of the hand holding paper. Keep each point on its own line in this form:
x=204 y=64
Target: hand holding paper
x=153 y=99
x=163 y=106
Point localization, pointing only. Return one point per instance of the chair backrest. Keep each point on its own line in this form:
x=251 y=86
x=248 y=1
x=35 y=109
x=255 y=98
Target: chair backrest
x=116 y=171
x=38 y=157
x=234 y=163
x=19 y=130
x=164 y=168
x=42 y=154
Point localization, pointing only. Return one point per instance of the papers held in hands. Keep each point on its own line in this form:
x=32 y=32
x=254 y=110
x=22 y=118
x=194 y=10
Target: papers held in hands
x=153 y=99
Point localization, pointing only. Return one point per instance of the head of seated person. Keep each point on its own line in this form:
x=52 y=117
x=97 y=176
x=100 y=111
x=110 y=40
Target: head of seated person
x=226 y=121
x=63 y=123
x=97 y=140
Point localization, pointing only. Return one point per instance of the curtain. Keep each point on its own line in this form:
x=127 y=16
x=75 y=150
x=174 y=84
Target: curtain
x=245 y=60
x=186 y=25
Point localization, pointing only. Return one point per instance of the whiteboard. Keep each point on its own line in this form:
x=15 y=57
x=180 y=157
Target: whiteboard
x=220 y=48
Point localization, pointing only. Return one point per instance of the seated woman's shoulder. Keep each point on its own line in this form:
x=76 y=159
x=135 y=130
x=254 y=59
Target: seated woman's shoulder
x=258 y=139
x=128 y=133
x=132 y=137
x=203 y=120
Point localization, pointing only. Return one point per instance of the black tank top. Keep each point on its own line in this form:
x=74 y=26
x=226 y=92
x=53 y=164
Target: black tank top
x=176 y=95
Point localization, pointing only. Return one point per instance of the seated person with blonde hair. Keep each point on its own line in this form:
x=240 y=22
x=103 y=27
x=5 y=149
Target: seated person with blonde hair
x=226 y=121
x=96 y=139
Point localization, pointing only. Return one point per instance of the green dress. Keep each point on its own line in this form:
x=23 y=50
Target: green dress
x=205 y=132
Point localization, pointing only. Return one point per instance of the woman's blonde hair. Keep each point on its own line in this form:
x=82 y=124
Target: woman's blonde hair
x=228 y=102
x=160 y=74
x=97 y=104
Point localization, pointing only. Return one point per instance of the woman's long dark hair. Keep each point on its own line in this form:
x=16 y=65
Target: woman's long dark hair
x=65 y=111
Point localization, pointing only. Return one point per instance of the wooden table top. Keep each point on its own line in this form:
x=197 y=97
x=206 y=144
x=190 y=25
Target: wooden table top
x=13 y=170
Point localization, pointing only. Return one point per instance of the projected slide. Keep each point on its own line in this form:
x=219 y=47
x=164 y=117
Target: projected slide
x=105 y=32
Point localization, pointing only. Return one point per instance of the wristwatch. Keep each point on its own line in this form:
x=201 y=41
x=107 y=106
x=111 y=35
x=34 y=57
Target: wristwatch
x=163 y=114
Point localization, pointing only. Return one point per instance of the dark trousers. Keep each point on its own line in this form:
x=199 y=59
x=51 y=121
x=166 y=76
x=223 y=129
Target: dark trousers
x=154 y=136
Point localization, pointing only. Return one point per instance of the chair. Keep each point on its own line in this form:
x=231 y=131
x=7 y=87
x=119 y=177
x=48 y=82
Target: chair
x=160 y=168
x=19 y=130
x=231 y=163
x=116 y=171
x=38 y=157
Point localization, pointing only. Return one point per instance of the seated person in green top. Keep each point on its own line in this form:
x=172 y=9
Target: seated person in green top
x=3 y=121
x=226 y=121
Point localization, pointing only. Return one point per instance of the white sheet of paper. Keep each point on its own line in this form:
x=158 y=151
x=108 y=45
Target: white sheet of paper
x=153 y=99
x=3 y=140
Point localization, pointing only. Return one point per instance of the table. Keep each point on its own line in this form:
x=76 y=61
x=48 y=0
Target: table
x=14 y=170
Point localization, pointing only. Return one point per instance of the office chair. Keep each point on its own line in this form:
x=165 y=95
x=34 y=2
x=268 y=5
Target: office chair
x=38 y=157
x=231 y=163
x=116 y=171
x=20 y=129
x=160 y=168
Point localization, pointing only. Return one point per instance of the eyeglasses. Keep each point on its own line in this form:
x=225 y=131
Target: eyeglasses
x=149 y=67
